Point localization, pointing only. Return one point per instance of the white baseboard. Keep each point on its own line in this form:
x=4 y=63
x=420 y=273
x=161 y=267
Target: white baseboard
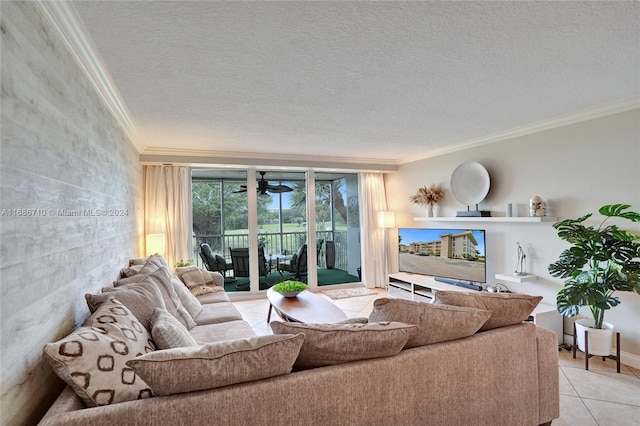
x=632 y=360
x=626 y=358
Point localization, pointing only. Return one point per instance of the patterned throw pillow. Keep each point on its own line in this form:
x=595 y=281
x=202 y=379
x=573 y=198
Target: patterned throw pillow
x=92 y=359
x=168 y=332
x=329 y=344
x=506 y=308
x=436 y=323
x=217 y=364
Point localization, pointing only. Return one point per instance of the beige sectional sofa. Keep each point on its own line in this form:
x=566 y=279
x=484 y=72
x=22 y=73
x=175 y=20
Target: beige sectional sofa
x=506 y=375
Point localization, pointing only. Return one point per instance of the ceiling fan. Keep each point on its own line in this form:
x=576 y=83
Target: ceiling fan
x=264 y=187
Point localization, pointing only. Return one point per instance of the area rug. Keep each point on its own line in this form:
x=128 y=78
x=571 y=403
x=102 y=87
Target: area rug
x=343 y=293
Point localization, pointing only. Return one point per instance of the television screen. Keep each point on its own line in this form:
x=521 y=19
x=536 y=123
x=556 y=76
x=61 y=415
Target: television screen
x=457 y=254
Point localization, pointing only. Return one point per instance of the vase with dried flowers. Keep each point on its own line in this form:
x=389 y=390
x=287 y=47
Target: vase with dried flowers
x=428 y=196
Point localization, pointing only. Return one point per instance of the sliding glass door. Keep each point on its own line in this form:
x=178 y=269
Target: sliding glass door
x=327 y=235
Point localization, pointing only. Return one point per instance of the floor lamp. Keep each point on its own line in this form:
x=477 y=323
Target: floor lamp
x=386 y=220
x=155 y=244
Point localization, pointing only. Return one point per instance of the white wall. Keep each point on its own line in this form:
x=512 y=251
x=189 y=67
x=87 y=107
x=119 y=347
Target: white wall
x=576 y=168
x=61 y=149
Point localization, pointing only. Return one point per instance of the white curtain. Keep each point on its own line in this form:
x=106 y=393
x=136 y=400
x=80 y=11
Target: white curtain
x=167 y=203
x=374 y=257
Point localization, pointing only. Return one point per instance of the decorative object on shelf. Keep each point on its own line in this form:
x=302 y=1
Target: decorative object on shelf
x=430 y=197
x=537 y=207
x=520 y=267
x=498 y=288
x=290 y=288
x=600 y=261
x=509 y=210
x=470 y=184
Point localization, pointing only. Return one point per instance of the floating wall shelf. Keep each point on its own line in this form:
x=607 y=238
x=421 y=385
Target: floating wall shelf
x=507 y=276
x=488 y=219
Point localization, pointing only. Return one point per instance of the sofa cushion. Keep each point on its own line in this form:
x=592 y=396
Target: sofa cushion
x=330 y=344
x=188 y=300
x=507 y=308
x=141 y=299
x=168 y=332
x=217 y=364
x=231 y=330
x=216 y=297
x=436 y=323
x=214 y=313
x=91 y=360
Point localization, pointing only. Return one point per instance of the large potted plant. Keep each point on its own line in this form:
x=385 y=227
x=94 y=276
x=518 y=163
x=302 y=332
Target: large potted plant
x=602 y=260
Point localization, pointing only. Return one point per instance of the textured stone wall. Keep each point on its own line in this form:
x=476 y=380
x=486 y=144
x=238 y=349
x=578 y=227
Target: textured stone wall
x=71 y=202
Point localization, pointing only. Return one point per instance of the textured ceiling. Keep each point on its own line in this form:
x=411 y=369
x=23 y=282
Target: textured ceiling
x=374 y=81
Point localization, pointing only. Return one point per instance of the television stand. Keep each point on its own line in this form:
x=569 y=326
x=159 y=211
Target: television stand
x=422 y=288
x=417 y=287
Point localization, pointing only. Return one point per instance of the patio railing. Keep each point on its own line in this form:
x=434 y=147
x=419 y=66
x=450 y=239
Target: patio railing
x=286 y=243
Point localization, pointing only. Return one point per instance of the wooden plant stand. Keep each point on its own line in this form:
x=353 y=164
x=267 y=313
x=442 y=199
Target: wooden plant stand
x=587 y=355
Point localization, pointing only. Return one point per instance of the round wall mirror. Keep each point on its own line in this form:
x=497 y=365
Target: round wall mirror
x=470 y=183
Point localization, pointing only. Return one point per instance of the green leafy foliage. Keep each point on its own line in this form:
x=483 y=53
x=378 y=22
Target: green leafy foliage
x=600 y=261
x=183 y=262
x=289 y=286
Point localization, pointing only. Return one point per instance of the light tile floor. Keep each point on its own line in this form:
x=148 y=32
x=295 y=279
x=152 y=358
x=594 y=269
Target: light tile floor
x=598 y=397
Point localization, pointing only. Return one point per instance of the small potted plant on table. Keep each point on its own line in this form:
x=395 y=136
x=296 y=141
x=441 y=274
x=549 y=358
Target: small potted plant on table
x=600 y=261
x=290 y=288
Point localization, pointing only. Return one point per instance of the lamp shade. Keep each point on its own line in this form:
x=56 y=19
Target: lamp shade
x=387 y=219
x=155 y=244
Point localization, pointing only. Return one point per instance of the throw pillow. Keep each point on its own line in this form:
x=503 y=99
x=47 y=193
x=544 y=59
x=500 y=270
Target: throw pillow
x=217 y=364
x=92 y=359
x=137 y=261
x=435 y=323
x=199 y=290
x=141 y=299
x=152 y=264
x=130 y=271
x=330 y=344
x=168 y=332
x=162 y=279
x=192 y=276
x=188 y=299
x=507 y=308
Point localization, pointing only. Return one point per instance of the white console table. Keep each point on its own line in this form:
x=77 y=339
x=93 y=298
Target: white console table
x=422 y=288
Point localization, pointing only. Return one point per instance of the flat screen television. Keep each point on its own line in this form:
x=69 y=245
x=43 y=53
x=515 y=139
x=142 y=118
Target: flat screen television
x=453 y=255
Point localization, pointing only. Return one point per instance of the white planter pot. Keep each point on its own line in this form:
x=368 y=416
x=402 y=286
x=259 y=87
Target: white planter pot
x=599 y=339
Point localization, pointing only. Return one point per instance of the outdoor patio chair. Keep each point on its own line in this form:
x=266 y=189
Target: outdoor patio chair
x=240 y=265
x=296 y=265
x=213 y=261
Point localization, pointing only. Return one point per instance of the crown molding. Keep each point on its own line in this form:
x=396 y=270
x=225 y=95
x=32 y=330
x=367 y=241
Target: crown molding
x=227 y=158
x=64 y=18
x=623 y=105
